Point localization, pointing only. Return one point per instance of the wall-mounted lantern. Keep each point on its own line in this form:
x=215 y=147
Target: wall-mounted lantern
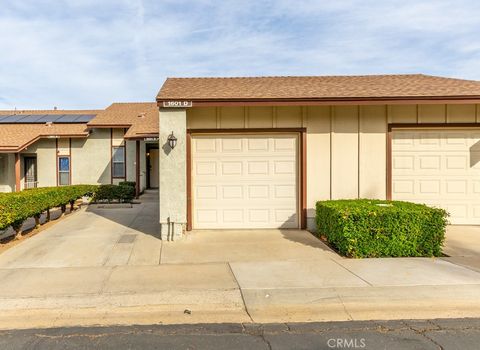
x=172 y=140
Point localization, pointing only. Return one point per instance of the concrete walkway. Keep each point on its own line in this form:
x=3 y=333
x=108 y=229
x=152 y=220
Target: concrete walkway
x=108 y=266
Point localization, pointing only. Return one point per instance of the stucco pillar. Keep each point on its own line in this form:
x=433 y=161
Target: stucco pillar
x=17 y=172
x=173 y=174
x=137 y=169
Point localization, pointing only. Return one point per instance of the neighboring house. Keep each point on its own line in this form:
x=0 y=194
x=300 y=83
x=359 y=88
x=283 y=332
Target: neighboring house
x=62 y=147
x=259 y=152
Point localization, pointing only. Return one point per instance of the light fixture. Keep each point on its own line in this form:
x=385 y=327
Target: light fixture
x=172 y=140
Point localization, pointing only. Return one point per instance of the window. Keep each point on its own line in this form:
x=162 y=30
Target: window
x=63 y=171
x=118 y=162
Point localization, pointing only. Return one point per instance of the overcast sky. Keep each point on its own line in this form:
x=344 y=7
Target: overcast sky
x=90 y=53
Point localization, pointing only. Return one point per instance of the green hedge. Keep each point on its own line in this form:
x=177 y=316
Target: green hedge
x=114 y=193
x=16 y=207
x=128 y=183
x=373 y=228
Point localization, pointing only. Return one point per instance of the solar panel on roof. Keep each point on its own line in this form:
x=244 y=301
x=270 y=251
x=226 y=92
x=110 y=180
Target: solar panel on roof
x=30 y=118
x=84 y=118
x=66 y=118
x=20 y=118
x=46 y=118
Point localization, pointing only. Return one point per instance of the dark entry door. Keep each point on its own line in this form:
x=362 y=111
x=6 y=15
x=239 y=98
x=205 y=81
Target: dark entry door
x=30 y=176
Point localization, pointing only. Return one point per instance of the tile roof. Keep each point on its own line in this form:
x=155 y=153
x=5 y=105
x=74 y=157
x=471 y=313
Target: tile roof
x=15 y=137
x=140 y=117
x=317 y=88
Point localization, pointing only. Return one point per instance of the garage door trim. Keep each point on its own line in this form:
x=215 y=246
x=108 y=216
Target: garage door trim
x=302 y=138
x=415 y=126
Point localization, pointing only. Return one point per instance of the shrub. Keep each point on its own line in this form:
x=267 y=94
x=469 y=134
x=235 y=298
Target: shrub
x=128 y=183
x=374 y=228
x=16 y=207
x=110 y=193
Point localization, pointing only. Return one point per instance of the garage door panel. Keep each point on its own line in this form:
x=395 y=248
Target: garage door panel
x=262 y=191
x=231 y=168
x=206 y=192
x=206 y=168
x=258 y=167
x=232 y=192
x=257 y=144
x=285 y=216
x=233 y=216
x=284 y=144
x=206 y=216
x=438 y=168
x=404 y=162
x=456 y=162
x=429 y=162
x=284 y=167
x=205 y=146
x=231 y=144
x=430 y=187
x=245 y=181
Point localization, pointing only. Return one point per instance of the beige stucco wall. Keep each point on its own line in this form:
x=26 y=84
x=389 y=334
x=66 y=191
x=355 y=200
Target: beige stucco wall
x=7 y=172
x=172 y=173
x=46 y=152
x=91 y=158
x=346 y=145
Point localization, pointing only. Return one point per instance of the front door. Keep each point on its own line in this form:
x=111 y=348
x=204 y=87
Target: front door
x=30 y=172
x=154 y=168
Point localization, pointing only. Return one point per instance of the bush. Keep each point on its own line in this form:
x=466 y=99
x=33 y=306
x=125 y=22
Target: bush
x=111 y=193
x=128 y=183
x=373 y=228
x=16 y=207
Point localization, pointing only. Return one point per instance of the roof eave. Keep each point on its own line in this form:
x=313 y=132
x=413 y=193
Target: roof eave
x=108 y=126
x=326 y=101
x=141 y=136
x=16 y=149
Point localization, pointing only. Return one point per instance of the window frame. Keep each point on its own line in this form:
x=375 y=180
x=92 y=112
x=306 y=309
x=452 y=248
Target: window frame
x=124 y=161
x=63 y=171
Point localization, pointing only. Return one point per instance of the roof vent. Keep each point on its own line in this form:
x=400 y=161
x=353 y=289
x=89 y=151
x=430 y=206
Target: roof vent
x=48 y=123
x=141 y=115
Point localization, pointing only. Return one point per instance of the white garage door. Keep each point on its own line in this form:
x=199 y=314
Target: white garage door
x=243 y=181
x=439 y=168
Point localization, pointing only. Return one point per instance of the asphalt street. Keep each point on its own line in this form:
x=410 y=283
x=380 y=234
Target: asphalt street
x=461 y=334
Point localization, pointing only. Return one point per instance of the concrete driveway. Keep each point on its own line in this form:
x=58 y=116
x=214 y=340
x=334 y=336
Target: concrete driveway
x=107 y=266
x=462 y=245
x=94 y=237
